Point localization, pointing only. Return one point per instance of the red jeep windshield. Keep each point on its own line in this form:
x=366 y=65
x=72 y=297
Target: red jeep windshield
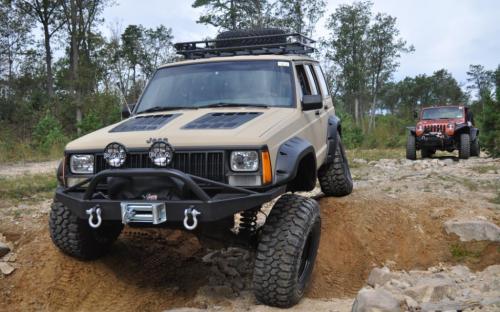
x=443 y=113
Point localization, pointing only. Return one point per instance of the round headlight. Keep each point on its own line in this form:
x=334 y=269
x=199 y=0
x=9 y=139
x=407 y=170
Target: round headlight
x=115 y=155
x=161 y=153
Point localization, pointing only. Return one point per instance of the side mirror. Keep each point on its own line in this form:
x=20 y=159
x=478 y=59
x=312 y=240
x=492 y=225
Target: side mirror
x=415 y=115
x=127 y=110
x=312 y=102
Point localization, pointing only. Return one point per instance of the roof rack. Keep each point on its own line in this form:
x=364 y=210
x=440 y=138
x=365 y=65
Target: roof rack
x=291 y=43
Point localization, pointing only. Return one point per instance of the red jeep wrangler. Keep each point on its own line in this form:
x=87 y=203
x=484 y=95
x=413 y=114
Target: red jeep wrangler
x=444 y=128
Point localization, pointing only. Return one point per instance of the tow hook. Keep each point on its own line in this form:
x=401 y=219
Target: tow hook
x=94 y=213
x=191 y=213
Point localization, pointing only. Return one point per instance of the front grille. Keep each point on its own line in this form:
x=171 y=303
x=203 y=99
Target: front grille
x=434 y=128
x=208 y=165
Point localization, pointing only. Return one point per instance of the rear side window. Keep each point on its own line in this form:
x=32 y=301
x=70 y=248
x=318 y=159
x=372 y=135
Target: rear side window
x=322 y=82
x=312 y=80
x=304 y=82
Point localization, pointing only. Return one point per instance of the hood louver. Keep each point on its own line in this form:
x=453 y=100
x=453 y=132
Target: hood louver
x=221 y=120
x=144 y=123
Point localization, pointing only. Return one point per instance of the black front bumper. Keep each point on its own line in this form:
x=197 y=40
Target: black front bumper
x=226 y=202
x=435 y=141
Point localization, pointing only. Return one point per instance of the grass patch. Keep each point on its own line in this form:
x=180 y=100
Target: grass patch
x=460 y=252
x=27 y=187
x=22 y=151
x=375 y=154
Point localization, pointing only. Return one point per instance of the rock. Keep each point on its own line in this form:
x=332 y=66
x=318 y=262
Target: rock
x=379 y=276
x=6 y=268
x=360 y=161
x=431 y=290
x=4 y=249
x=469 y=230
x=371 y=300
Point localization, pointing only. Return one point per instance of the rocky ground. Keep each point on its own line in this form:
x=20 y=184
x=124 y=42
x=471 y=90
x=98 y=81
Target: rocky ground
x=415 y=236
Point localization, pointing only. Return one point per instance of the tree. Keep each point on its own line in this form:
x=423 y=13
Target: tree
x=481 y=81
x=50 y=15
x=346 y=46
x=132 y=48
x=158 y=48
x=14 y=36
x=233 y=14
x=384 y=48
x=299 y=16
x=80 y=18
x=490 y=123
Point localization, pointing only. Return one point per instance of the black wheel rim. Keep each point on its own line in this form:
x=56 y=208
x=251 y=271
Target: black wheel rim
x=305 y=259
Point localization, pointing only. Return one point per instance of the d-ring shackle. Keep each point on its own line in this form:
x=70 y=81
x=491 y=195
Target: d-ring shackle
x=94 y=212
x=193 y=213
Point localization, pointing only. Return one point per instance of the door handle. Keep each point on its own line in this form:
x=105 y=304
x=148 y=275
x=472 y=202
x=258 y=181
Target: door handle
x=317 y=113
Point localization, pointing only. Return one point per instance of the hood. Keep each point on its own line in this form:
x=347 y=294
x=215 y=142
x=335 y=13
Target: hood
x=425 y=122
x=191 y=128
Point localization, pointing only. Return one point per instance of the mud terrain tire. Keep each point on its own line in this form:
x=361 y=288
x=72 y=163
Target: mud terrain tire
x=464 y=150
x=287 y=251
x=76 y=238
x=411 y=150
x=475 y=149
x=252 y=37
x=335 y=178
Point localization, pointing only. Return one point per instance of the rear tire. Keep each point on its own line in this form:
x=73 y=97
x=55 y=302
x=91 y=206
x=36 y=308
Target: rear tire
x=76 y=238
x=411 y=150
x=464 y=151
x=287 y=251
x=475 y=149
x=335 y=178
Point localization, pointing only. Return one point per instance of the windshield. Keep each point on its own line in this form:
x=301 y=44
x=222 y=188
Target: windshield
x=260 y=83
x=443 y=113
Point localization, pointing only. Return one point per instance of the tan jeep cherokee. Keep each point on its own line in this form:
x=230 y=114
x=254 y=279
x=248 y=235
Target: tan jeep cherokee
x=244 y=119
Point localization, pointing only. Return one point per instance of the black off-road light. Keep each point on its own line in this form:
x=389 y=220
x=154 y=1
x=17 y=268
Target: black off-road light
x=161 y=153
x=115 y=154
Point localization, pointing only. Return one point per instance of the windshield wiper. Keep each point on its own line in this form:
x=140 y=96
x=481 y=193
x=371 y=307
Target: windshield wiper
x=227 y=104
x=165 y=108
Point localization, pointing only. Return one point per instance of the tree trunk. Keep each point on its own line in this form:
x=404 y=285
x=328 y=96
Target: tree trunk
x=48 y=60
x=356 y=110
x=371 y=124
x=74 y=64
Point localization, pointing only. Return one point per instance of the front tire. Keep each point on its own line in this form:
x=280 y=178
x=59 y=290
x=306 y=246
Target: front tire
x=287 y=251
x=464 y=151
x=335 y=178
x=475 y=149
x=76 y=238
x=411 y=149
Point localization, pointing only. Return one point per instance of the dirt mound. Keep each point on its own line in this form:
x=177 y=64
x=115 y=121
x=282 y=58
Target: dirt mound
x=385 y=221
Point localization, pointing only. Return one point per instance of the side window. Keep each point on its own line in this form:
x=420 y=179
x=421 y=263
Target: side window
x=312 y=80
x=302 y=77
x=322 y=81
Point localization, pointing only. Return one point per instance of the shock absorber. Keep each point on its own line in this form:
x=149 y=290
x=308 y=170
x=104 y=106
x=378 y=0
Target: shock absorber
x=248 y=222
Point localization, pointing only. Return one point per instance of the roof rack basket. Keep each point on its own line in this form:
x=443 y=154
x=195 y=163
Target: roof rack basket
x=288 y=43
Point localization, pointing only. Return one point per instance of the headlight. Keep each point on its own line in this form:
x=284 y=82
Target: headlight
x=161 y=153
x=82 y=164
x=115 y=155
x=244 y=161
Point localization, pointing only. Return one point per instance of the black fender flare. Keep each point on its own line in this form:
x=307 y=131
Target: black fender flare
x=474 y=133
x=411 y=130
x=334 y=128
x=290 y=153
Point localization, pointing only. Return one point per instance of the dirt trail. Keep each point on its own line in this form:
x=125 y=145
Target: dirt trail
x=387 y=220
x=18 y=169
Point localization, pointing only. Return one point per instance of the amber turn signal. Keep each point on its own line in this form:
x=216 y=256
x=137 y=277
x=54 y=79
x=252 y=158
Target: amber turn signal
x=267 y=173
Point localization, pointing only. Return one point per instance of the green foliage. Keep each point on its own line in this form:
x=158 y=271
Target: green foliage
x=48 y=133
x=27 y=187
x=352 y=136
x=490 y=131
x=390 y=132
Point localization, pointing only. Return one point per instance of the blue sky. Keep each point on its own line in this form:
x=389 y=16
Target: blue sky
x=447 y=34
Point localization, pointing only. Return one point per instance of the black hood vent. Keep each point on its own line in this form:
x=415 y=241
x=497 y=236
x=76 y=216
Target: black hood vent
x=144 y=123
x=221 y=120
